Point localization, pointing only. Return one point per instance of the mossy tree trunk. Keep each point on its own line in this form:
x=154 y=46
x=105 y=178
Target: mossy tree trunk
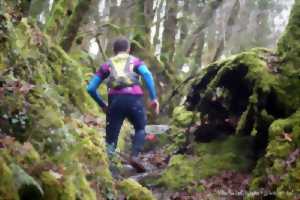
x=184 y=21
x=70 y=32
x=169 y=35
x=228 y=30
x=60 y=15
x=159 y=7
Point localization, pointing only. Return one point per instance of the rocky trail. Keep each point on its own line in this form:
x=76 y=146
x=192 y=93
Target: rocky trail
x=154 y=160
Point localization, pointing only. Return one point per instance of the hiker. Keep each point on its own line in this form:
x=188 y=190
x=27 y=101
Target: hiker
x=125 y=95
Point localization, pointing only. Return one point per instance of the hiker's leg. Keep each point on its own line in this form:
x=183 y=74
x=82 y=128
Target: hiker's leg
x=137 y=116
x=114 y=121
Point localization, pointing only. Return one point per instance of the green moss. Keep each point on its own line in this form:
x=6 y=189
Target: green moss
x=289 y=186
x=279 y=126
x=233 y=153
x=134 y=191
x=28 y=154
x=278 y=152
x=22 y=154
x=59 y=16
x=84 y=191
x=288 y=45
x=27 y=186
x=177 y=137
x=57 y=189
x=182 y=117
x=209 y=159
x=278 y=166
x=279 y=149
x=7 y=187
x=289 y=50
x=180 y=172
x=90 y=153
x=219 y=95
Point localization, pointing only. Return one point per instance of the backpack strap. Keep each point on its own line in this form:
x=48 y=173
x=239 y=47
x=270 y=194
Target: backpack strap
x=131 y=73
x=127 y=65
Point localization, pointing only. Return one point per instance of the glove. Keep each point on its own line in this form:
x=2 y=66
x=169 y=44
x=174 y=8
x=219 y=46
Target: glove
x=155 y=106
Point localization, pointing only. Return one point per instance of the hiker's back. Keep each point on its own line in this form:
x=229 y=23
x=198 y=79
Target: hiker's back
x=122 y=73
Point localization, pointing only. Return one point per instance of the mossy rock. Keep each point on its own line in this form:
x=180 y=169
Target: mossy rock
x=208 y=159
x=180 y=172
x=183 y=118
x=134 y=191
x=232 y=95
x=281 y=159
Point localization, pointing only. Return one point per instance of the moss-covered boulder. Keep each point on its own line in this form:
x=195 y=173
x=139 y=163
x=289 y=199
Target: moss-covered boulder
x=134 y=191
x=278 y=170
x=206 y=160
x=234 y=96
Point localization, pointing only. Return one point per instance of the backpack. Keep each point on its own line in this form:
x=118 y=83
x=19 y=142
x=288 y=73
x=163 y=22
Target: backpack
x=122 y=72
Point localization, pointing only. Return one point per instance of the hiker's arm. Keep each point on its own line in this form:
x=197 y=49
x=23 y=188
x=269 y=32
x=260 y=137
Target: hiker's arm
x=148 y=78
x=92 y=90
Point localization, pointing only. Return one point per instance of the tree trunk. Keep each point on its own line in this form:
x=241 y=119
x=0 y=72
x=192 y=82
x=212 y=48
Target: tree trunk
x=199 y=52
x=206 y=15
x=149 y=14
x=70 y=32
x=228 y=29
x=184 y=23
x=169 y=33
x=159 y=7
x=60 y=15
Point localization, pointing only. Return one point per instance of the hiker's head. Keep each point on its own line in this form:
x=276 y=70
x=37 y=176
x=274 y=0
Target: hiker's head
x=121 y=44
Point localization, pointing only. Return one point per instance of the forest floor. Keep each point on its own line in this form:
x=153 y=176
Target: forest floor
x=225 y=186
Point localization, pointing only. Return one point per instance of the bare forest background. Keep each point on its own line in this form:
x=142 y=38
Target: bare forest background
x=175 y=37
